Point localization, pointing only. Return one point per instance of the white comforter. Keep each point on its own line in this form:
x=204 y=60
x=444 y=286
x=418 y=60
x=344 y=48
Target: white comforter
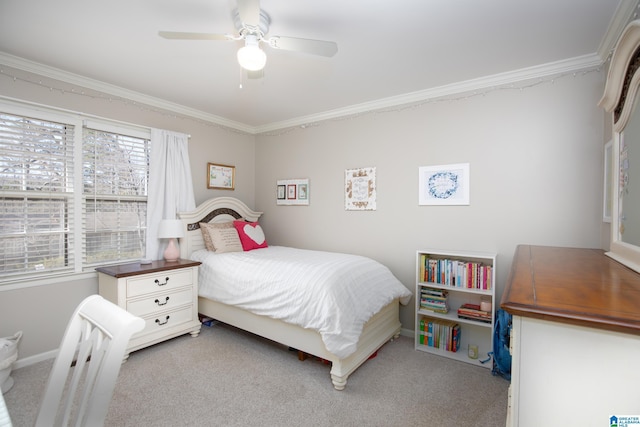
x=334 y=294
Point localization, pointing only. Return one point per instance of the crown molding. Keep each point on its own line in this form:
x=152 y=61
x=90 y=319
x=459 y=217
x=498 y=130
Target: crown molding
x=573 y=65
x=625 y=12
x=113 y=90
x=549 y=70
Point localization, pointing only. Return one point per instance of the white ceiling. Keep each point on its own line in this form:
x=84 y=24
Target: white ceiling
x=388 y=51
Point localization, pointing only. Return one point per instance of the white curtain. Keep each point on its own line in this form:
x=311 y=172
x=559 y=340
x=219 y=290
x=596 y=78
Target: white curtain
x=170 y=184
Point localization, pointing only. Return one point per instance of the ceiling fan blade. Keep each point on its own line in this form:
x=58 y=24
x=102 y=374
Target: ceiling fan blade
x=249 y=11
x=191 y=36
x=315 y=47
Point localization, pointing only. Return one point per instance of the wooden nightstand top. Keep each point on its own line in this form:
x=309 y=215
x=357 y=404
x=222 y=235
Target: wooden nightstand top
x=135 y=268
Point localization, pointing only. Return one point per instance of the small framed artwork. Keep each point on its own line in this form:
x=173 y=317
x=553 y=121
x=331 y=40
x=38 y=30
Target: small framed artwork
x=221 y=177
x=360 y=189
x=292 y=192
x=303 y=191
x=444 y=184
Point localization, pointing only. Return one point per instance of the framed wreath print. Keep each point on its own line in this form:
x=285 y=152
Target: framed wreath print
x=444 y=184
x=221 y=177
x=292 y=192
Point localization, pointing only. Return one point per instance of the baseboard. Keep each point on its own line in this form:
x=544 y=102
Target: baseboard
x=406 y=332
x=32 y=360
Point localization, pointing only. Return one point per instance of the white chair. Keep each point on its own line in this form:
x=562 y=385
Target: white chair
x=5 y=419
x=96 y=339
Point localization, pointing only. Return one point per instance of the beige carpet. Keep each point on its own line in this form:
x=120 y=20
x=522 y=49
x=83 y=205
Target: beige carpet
x=227 y=377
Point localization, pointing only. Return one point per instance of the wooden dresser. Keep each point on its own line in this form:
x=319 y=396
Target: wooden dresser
x=575 y=338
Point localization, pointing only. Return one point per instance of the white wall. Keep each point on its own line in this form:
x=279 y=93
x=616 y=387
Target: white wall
x=535 y=165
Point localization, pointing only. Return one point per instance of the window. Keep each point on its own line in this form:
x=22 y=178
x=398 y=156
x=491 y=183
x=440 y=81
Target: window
x=69 y=202
x=115 y=176
x=36 y=171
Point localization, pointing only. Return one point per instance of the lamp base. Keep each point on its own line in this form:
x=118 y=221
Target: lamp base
x=172 y=253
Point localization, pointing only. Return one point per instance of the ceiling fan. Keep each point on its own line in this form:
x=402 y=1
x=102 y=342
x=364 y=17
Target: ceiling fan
x=252 y=25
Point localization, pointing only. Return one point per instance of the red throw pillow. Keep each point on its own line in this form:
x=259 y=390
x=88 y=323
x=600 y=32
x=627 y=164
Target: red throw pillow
x=251 y=235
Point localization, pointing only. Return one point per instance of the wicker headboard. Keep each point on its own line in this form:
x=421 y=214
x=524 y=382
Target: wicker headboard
x=219 y=209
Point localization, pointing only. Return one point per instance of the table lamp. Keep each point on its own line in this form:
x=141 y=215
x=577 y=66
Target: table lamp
x=171 y=229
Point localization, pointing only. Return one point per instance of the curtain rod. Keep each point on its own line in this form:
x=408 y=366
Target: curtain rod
x=108 y=122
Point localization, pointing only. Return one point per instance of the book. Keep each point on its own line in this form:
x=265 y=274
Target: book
x=476 y=319
x=434 y=292
x=434 y=300
x=441 y=334
x=455 y=273
x=473 y=312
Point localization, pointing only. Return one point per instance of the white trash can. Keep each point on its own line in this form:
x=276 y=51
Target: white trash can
x=8 y=355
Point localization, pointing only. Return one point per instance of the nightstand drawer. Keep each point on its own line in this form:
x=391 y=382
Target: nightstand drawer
x=163 y=281
x=167 y=320
x=160 y=302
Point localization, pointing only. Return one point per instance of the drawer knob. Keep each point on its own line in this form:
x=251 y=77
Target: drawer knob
x=162 y=303
x=160 y=323
x=162 y=284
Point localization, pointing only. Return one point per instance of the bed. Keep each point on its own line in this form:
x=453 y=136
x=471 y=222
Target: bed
x=344 y=354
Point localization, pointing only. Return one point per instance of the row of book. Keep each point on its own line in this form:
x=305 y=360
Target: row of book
x=441 y=334
x=434 y=300
x=456 y=273
x=473 y=312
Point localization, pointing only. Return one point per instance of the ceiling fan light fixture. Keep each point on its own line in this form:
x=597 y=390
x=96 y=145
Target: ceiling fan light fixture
x=251 y=57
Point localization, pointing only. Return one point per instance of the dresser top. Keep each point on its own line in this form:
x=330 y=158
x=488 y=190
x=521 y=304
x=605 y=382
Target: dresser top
x=135 y=268
x=573 y=285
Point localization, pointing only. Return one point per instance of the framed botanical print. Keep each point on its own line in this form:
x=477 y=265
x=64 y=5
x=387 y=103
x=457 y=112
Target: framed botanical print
x=221 y=177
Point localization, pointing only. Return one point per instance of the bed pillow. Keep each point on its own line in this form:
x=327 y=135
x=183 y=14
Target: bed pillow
x=225 y=240
x=223 y=237
x=251 y=235
x=204 y=227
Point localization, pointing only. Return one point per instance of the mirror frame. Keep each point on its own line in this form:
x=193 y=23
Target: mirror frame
x=621 y=89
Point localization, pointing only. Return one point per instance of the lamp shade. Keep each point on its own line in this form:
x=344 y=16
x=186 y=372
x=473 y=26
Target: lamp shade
x=251 y=57
x=170 y=228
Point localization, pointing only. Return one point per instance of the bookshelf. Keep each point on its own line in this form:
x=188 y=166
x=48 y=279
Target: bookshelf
x=445 y=282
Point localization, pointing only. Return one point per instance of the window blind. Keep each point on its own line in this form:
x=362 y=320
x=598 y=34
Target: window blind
x=36 y=198
x=115 y=181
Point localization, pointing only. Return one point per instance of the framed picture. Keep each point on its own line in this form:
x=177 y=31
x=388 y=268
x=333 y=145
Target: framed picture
x=303 y=191
x=292 y=192
x=360 y=189
x=444 y=184
x=608 y=182
x=221 y=177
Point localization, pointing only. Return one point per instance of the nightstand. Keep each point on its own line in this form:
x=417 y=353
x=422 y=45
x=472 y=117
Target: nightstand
x=164 y=294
